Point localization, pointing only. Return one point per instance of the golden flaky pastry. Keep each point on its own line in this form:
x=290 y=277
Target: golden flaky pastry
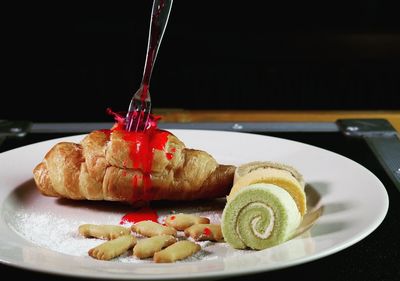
x=118 y=166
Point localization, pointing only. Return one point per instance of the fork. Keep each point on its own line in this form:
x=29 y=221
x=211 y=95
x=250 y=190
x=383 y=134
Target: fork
x=138 y=116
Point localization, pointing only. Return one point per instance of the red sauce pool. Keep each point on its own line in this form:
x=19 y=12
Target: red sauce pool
x=143 y=214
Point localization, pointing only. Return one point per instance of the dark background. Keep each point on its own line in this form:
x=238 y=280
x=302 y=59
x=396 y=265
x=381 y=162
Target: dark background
x=68 y=62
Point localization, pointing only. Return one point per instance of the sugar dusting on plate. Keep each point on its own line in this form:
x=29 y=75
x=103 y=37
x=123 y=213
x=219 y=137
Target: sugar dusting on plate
x=54 y=233
x=59 y=234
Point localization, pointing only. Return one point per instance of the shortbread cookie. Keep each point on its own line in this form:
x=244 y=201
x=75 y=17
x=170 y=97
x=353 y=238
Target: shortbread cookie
x=113 y=248
x=146 y=248
x=177 y=251
x=150 y=228
x=201 y=232
x=182 y=221
x=103 y=231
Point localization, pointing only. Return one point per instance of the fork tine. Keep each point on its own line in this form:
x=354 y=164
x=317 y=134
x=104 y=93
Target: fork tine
x=138 y=120
x=146 y=118
x=134 y=108
x=131 y=117
x=143 y=117
x=138 y=115
x=129 y=120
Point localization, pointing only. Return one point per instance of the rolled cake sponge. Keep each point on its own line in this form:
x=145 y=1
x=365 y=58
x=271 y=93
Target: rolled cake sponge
x=259 y=216
x=278 y=174
x=244 y=169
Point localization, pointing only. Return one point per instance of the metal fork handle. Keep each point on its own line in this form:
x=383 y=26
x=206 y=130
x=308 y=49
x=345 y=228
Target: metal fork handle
x=158 y=22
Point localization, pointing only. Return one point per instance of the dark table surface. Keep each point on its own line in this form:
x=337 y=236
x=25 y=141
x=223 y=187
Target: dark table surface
x=376 y=257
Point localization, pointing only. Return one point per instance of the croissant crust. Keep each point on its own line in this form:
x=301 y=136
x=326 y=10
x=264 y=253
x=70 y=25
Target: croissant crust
x=101 y=168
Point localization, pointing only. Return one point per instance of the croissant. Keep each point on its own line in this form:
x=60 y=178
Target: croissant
x=116 y=165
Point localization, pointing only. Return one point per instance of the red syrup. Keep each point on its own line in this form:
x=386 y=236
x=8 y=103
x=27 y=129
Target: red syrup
x=141 y=152
x=143 y=214
x=170 y=155
x=207 y=231
x=106 y=132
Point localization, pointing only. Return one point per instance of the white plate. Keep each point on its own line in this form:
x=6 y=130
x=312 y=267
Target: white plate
x=39 y=233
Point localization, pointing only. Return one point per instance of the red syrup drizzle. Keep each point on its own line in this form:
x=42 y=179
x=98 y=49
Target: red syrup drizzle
x=141 y=152
x=170 y=155
x=143 y=214
x=106 y=132
x=207 y=231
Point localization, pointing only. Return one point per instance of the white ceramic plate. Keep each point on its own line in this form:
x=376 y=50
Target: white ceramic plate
x=39 y=233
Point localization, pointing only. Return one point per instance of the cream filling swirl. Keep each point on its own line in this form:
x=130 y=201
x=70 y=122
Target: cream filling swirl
x=268 y=230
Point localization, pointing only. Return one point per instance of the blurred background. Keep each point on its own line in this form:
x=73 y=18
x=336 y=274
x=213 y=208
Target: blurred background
x=67 y=62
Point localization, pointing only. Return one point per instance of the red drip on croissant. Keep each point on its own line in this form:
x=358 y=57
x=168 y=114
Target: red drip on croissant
x=207 y=231
x=142 y=146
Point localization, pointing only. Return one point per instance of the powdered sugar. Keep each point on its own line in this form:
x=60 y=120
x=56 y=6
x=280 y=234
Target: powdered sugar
x=57 y=233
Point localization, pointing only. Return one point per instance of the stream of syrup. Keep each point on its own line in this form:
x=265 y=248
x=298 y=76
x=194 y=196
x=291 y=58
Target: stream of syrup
x=142 y=146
